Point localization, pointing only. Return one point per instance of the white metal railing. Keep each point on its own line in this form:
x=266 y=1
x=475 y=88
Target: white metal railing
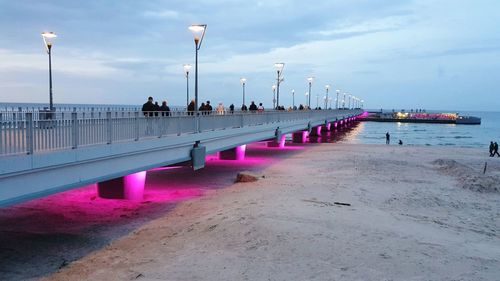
x=38 y=131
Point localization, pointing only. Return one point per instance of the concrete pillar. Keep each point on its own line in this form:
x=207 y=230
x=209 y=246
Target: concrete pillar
x=279 y=144
x=316 y=131
x=129 y=187
x=300 y=137
x=236 y=153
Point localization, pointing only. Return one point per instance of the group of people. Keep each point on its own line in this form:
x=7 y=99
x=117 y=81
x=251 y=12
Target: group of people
x=151 y=108
x=388 y=139
x=494 y=149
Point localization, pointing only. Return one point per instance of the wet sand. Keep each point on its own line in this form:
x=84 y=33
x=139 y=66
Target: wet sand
x=415 y=213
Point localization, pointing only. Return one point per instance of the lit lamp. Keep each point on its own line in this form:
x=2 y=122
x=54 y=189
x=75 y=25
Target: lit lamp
x=198 y=33
x=327 y=88
x=279 y=71
x=293 y=99
x=187 y=68
x=310 y=80
x=48 y=38
x=243 y=81
x=274 y=96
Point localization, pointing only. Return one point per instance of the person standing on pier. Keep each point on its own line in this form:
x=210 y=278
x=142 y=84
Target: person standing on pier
x=253 y=107
x=231 y=108
x=387 y=138
x=492 y=148
x=165 y=110
x=190 y=108
x=148 y=107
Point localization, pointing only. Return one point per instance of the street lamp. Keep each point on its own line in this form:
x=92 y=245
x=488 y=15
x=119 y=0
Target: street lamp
x=337 y=100
x=343 y=101
x=327 y=87
x=362 y=102
x=307 y=98
x=198 y=33
x=279 y=71
x=243 y=81
x=310 y=80
x=317 y=101
x=349 y=102
x=48 y=38
x=187 y=68
x=293 y=99
x=274 y=96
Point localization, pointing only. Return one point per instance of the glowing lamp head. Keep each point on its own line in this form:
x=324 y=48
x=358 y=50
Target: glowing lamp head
x=293 y=92
x=310 y=79
x=307 y=94
x=279 y=66
x=327 y=87
x=273 y=87
x=48 y=39
x=198 y=31
x=243 y=81
x=187 y=68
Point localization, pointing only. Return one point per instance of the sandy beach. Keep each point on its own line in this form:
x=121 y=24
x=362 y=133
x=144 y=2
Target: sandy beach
x=321 y=212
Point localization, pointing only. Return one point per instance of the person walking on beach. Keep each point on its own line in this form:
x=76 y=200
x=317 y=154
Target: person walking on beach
x=387 y=138
x=495 y=149
x=492 y=148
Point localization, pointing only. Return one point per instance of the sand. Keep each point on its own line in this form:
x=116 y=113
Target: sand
x=415 y=213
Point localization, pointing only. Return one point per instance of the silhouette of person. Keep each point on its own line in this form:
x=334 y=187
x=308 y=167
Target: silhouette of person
x=190 y=107
x=165 y=110
x=495 y=149
x=244 y=107
x=492 y=148
x=400 y=142
x=387 y=138
x=148 y=107
x=253 y=107
x=231 y=108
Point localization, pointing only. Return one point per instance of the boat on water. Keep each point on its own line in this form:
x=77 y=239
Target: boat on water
x=421 y=117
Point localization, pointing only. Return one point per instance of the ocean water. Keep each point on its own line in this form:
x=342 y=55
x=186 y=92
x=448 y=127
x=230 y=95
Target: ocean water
x=477 y=136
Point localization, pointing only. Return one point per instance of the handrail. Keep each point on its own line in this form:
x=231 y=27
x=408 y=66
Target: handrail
x=39 y=131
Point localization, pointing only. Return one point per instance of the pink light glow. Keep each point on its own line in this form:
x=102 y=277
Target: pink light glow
x=335 y=124
x=240 y=152
x=328 y=126
x=134 y=186
x=365 y=114
x=318 y=130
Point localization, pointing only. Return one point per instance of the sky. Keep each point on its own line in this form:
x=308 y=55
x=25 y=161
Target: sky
x=442 y=54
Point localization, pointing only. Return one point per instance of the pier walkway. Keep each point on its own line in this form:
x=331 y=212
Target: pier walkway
x=45 y=153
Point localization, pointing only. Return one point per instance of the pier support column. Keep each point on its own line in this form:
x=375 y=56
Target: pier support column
x=300 y=137
x=327 y=127
x=280 y=143
x=236 y=153
x=316 y=131
x=129 y=187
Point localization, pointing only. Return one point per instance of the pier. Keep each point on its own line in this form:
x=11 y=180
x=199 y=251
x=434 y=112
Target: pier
x=421 y=117
x=43 y=153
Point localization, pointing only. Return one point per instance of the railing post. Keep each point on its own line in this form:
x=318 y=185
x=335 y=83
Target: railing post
x=109 y=126
x=74 y=129
x=136 y=123
x=29 y=133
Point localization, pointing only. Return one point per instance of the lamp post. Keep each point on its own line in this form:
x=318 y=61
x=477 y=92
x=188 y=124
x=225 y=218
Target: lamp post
x=243 y=81
x=274 y=96
x=327 y=87
x=343 y=101
x=317 y=101
x=337 y=100
x=48 y=37
x=187 y=68
x=293 y=99
x=349 y=102
x=279 y=71
x=310 y=80
x=198 y=33
x=362 y=102
x=307 y=98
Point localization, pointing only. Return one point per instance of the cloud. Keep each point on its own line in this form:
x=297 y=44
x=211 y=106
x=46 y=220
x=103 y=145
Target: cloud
x=161 y=14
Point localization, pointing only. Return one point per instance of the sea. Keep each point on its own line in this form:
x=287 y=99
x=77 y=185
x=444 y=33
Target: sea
x=476 y=136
